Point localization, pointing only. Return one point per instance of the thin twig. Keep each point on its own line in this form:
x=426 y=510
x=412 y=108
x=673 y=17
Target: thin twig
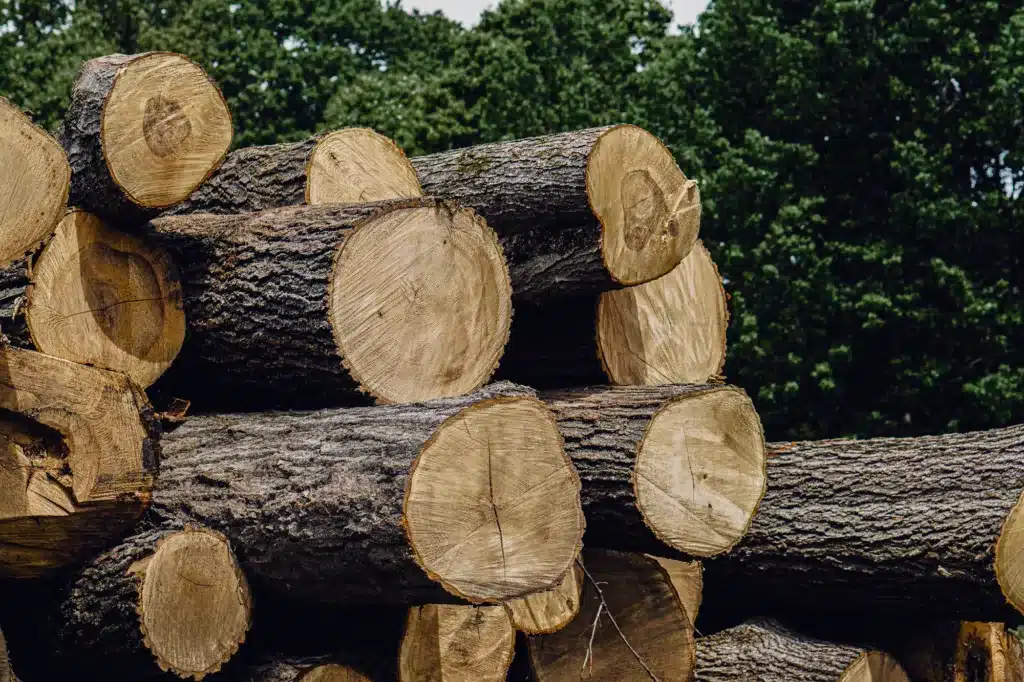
x=590 y=646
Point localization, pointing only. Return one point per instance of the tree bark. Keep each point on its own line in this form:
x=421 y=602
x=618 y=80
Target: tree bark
x=879 y=526
x=762 y=651
x=14 y=280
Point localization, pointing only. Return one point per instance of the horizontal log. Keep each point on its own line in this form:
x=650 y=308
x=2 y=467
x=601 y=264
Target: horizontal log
x=450 y=642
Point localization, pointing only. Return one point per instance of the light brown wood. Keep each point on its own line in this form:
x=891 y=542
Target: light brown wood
x=874 y=666
x=687 y=579
x=6 y=670
x=668 y=331
x=164 y=128
x=451 y=643
x=354 y=165
x=492 y=507
x=194 y=603
x=438 y=275
x=105 y=298
x=987 y=652
x=549 y=611
x=1009 y=561
x=333 y=673
x=647 y=614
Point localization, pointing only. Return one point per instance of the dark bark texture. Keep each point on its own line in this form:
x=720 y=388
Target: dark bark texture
x=311 y=502
x=253 y=179
x=255 y=291
x=905 y=526
x=602 y=427
x=92 y=186
x=533 y=193
x=13 y=283
x=762 y=651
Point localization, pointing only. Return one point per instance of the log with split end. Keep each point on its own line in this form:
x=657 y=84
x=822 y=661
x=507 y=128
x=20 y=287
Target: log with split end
x=456 y=643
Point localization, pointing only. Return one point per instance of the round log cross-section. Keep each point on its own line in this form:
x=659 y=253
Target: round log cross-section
x=142 y=132
x=35 y=179
x=453 y=643
x=549 y=611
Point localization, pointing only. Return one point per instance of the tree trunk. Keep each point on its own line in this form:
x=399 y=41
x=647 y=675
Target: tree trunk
x=351 y=165
x=579 y=212
x=35 y=179
x=470 y=496
x=454 y=643
x=913 y=525
x=670 y=467
x=78 y=451
x=762 y=651
x=142 y=132
x=307 y=306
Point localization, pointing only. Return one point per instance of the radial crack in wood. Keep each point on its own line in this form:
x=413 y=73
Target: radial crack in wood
x=36 y=181
x=142 y=132
x=450 y=643
x=549 y=611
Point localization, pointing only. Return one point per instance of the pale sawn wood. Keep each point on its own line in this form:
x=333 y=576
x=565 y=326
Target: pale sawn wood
x=549 y=611
x=454 y=643
x=687 y=578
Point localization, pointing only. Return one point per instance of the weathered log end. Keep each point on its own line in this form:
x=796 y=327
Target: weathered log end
x=668 y=331
x=649 y=211
x=36 y=180
x=105 y=298
x=1009 y=561
x=492 y=504
x=194 y=604
x=549 y=611
x=78 y=454
x=355 y=165
x=874 y=666
x=450 y=642
x=651 y=637
x=700 y=471
x=420 y=303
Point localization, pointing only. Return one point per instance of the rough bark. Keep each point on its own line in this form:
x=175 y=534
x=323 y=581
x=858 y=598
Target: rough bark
x=13 y=282
x=881 y=526
x=763 y=651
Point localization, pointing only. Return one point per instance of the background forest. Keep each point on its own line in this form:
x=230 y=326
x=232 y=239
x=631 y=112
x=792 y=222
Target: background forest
x=860 y=160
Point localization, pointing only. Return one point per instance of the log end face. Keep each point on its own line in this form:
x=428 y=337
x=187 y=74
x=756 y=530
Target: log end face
x=420 y=302
x=550 y=611
x=492 y=506
x=648 y=210
x=165 y=128
x=194 y=603
x=332 y=673
x=108 y=299
x=355 y=165
x=36 y=179
x=874 y=666
x=450 y=642
x=1009 y=560
x=700 y=471
x=669 y=331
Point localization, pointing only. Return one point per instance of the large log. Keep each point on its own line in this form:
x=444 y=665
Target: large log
x=35 y=181
x=666 y=467
x=469 y=497
x=928 y=525
x=763 y=651
x=351 y=165
x=309 y=306
x=455 y=643
x=142 y=132
x=78 y=451
x=97 y=296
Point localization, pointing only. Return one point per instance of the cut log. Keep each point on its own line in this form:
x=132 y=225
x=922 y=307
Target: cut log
x=77 y=459
x=550 y=611
x=687 y=579
x=351 y=165
x=142 y=132
x=301 y=306
x=578 y=212
x=470 y=496
x=98 y=297
x=35 y=184
x=302 y=670
x=452 y=643
x=961 y=652
x=631 y=626
x=926 y=525
x=765 y=652
x=680 y=467
x=6 y=669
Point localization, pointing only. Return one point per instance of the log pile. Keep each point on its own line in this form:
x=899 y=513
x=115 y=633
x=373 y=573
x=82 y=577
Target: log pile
x=267 y=415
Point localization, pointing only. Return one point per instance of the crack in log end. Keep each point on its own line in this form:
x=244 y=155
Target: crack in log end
x=35 y=475
x=165 y=126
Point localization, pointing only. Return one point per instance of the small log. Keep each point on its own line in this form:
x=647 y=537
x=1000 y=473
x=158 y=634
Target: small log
x=99 y=297
x=35 y=184
x=318 y=669
x=142 y=132
x=78 y=451
x=764 y=651
x=347 y=166
x=309 y=306
x=578 y=212
x=668 y=467
x=550 y=611
x=470 y=496
x=453 y=643
x=6 y=669
x=687 y=579
x=929 y=525
x=631 y=626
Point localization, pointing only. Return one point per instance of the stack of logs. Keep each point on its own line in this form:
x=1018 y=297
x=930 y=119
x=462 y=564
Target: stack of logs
x=267 y=415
